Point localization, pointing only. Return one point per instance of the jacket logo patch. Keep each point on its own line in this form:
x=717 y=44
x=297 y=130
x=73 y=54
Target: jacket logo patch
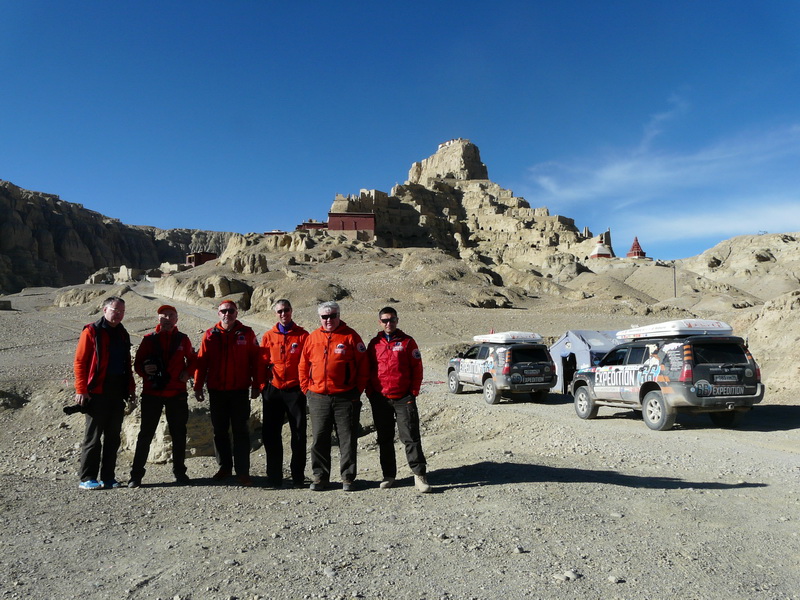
x=241 y=340
x=361 y=347
x=294 y=348
x=340 y=349
x=417 y=354
x=398 y=347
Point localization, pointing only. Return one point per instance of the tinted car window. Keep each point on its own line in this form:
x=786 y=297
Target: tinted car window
x=718 y=353
x=483 y=352
x=615 y=357
x=637 y=355
x=472 y=352
x=520 y=355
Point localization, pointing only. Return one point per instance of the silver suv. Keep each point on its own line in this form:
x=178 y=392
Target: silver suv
x=687 y=366
x=510 y=365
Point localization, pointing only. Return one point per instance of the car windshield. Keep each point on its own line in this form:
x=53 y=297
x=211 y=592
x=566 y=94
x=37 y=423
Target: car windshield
x=726 y=353
x=529 y=355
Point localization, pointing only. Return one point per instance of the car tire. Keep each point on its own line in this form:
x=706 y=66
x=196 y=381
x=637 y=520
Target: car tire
x=490 y=392
x=655 y=412
x=585 y=407
x=728 y=419
x=453 y=384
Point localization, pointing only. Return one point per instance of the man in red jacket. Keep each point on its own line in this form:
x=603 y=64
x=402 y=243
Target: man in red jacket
x=227 y=363
x=395 y=367
x=103 y=381
x=333 y=372
x=165 y=360
x=282 y=397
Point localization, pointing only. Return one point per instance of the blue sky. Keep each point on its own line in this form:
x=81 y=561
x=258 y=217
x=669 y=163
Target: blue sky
x=677 y=122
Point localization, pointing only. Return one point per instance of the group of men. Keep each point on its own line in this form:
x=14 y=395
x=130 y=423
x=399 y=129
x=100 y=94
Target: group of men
x=322 y=373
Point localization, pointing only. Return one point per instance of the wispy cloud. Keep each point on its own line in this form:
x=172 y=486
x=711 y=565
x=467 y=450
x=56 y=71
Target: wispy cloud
x=745 y=183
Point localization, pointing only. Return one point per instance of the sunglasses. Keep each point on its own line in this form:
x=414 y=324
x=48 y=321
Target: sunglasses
x=330 y=316
x=225 y=311
x=280 y=311
x=391 y=320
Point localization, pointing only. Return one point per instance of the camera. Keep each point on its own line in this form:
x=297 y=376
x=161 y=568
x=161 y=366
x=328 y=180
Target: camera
x=75 y=408
x=160 y=377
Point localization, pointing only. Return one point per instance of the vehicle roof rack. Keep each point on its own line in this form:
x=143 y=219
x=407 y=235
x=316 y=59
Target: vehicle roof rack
x=677 y=328
x=505 y=337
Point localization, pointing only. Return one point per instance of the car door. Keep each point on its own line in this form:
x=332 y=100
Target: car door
x=633 y=373
x=468 y=365
x=607 y=375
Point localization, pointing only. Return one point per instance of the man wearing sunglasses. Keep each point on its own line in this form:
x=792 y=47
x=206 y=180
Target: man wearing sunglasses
x=282 y=397
x=333 y=373
x=395 y=367
x=228 y=363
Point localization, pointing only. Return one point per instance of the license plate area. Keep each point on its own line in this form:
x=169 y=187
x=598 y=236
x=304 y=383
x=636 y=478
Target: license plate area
x=725 y=378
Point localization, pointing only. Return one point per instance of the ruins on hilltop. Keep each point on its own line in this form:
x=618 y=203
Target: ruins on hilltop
x=449 y=202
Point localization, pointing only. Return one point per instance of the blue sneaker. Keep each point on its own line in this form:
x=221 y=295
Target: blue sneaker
x=91 y=484
x=111 y=484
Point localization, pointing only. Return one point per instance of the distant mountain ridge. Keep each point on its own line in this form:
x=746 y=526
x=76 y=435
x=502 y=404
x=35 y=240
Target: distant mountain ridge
x=46 y=241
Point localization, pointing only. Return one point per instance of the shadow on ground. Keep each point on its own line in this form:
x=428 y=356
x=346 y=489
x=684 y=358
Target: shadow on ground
x=503 y=473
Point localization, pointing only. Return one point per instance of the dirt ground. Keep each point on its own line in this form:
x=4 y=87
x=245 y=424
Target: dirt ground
x=529 y=500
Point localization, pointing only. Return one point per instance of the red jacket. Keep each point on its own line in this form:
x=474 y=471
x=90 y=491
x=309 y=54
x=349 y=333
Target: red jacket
x=175 y=351
x=227 y=360
x=92 y=355
x=395 y=366
x=280 y=356
x=333 y=362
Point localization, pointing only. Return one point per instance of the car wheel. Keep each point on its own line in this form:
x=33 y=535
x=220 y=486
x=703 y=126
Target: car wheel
x=490 y=392
x=453 y=384
x=584 y=405
x=655 y=412
x=728 y=419
x=540 y=396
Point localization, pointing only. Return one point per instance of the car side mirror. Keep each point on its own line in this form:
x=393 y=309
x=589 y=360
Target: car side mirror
x=460 y=355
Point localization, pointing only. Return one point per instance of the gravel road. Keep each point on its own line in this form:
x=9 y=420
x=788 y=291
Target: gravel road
x=529 y=502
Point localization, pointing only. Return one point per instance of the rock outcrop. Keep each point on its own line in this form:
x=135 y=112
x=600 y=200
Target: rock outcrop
x=449 y=203
x=45 y=241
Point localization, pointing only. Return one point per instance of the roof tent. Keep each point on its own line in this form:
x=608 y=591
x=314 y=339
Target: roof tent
x=509 y=337
x=578 y=349
x=675 y=328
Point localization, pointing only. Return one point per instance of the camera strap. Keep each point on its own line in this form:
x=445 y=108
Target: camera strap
x=175 y=342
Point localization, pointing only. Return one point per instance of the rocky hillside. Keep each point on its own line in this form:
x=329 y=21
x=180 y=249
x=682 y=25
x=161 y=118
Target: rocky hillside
x=45 y=241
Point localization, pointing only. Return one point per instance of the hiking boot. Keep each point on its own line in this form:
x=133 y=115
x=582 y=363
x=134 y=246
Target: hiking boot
x=90 y=484
x=111 y=484
x=244 y=480
x=134 y=483
x=421 y=481
x=348 y=485
x=221 y=474
x=183 y=479
x=318 y=485
x=387 y=483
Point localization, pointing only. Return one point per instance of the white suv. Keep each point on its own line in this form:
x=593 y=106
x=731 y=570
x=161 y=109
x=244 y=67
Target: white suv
x=690 y=365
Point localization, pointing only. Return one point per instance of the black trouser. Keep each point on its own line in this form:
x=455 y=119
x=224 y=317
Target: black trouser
x=230 y=409
x=177 y=411
x=385 y=412
x=280 y=404
x=344 y=410
x=101 y=438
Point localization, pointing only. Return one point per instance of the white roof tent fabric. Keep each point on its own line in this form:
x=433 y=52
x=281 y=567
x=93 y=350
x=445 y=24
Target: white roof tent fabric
x=675 y=328
x=509 y=337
